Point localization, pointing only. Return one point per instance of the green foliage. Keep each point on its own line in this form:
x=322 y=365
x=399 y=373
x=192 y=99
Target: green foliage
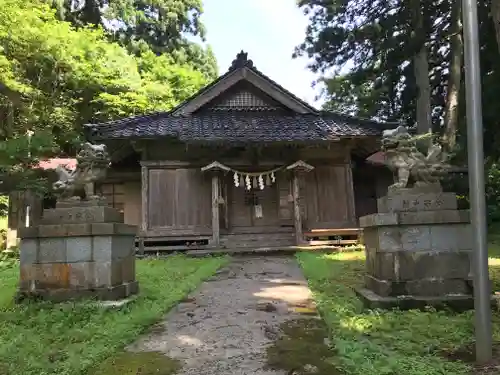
x=493 y=192
x=161 y=26
x=377 y=42
x=385 y=342
x=9 y=257
x=380 y=48
x=4 y=206
x=55 y=78
x=72 y=338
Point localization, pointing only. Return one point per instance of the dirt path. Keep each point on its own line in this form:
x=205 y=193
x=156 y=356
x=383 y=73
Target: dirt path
x=228 y=324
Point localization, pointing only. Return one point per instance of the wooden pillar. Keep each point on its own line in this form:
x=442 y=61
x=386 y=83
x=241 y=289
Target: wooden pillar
x=215 y=211
x=297 y=217
x=351 y=203
x=144 y=206
x=215 y=169
x=298 y=168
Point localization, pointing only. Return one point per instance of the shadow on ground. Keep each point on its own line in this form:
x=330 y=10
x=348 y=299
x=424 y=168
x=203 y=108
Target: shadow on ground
x=466 y=354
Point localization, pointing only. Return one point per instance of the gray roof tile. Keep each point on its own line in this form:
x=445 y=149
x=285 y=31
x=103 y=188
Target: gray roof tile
x=238 y=126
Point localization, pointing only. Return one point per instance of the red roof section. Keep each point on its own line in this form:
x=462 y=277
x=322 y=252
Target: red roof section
x=53 y=163
x=377 y=158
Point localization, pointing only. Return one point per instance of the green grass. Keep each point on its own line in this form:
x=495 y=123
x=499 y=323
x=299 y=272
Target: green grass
x=388 y=342
x=71 y=338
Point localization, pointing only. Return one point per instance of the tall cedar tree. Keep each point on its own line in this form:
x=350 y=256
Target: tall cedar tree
x=384 y=43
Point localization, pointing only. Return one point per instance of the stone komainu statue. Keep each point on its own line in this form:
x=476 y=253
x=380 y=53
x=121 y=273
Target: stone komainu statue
x=92 y=163
x=403 y=157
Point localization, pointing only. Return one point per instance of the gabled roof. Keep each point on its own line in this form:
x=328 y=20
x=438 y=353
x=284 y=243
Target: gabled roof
x=242 y=69
x=243 y=105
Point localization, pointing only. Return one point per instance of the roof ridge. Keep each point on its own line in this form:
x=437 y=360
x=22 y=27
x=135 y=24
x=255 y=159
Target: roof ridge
x=283 y=89
x=127 y=120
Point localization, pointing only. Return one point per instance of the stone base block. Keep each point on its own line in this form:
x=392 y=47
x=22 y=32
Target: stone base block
x=430 y=287
x=81 y=214
x=77 y=202
x=78 y=275
x=372 y=300
x=112 y=293
x=405 y=200
x=418 y=238
x=92 y=242
x=407 y=266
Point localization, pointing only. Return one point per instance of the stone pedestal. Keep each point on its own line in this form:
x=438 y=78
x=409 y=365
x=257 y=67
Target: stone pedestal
x=80 y=249
x=418 y=252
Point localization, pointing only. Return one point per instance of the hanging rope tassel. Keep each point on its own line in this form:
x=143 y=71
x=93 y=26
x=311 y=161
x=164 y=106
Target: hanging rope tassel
x=236 y=179
x=248 y=182
x=268 y=180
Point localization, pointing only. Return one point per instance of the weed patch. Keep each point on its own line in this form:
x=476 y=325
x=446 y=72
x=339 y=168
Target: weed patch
x=302 y=349
x=384 y=342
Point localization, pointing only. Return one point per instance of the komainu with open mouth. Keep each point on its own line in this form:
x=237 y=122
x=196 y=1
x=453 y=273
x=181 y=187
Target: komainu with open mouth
x=404 y=158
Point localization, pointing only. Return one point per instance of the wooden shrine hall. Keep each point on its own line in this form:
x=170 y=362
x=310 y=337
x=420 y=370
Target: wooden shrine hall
x=242 y=164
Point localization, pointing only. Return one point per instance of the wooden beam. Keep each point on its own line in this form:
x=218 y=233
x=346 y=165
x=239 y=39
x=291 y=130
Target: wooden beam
x=144 y=198
x=299 y=237
x=167 y=164
x=215 y=211
x=351 y=205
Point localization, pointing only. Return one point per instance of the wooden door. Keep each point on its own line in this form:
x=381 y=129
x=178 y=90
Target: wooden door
x=326 y=198
x=179 y=199
x=243 y=212
x=239 y=209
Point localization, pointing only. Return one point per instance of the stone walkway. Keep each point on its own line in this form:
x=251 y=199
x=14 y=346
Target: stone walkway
x=225 y=326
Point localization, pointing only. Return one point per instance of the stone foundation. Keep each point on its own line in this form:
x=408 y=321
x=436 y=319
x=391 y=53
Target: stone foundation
x=418 y=252
x=79 y=250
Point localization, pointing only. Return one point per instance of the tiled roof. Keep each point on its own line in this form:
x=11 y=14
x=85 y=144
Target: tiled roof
x=241 y=116
x=238 y=126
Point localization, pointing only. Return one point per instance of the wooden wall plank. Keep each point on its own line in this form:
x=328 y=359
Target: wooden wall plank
x=297 y=215
x=215 y=211
x=327 y=198
x=285 y=204
x=179 y=199
x=144 y=198
x=132 y=208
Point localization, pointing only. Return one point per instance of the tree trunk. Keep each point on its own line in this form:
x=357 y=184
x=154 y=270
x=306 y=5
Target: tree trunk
x=495 y=14
x=454 y=79
x=421 y=70
x=91 y=13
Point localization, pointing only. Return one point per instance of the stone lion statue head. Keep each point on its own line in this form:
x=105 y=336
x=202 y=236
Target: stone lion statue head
x=395 y=138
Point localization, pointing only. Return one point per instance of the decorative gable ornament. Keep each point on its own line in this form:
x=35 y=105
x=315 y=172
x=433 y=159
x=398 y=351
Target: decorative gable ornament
x=241 y=61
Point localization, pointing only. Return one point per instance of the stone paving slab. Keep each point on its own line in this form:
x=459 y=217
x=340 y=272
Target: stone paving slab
x=225 y=326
